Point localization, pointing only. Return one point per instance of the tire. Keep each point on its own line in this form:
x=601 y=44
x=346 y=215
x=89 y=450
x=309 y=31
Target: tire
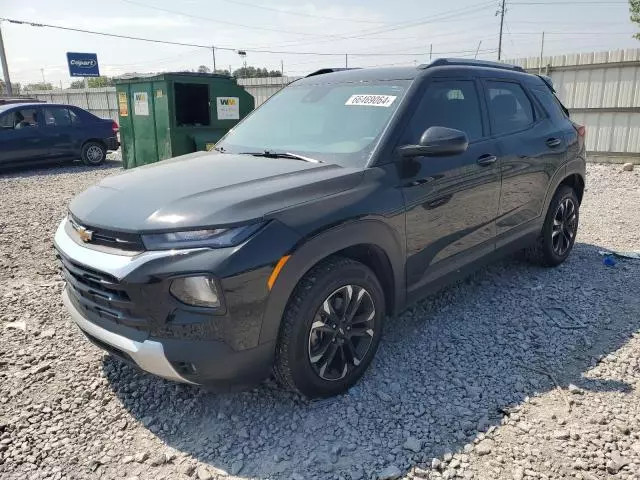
x=558 y=227
x=307 y=329
x=93 y=153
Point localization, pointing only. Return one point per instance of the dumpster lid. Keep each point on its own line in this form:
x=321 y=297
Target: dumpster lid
x=127 y=77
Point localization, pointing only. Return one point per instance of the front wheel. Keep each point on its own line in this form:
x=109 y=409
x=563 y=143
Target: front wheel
x=93 y=153
x=559 y=230
x=331 y=328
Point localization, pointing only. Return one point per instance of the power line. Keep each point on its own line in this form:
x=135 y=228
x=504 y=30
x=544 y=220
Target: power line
x=228 y=22
x=208 y=47
x=435 y=18
x=585 y=2
x=299 y=14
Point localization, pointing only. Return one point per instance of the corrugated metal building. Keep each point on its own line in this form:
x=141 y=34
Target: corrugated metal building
x=602 y=91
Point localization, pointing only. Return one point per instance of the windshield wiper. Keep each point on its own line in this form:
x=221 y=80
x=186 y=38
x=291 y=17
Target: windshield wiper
x=292 y=156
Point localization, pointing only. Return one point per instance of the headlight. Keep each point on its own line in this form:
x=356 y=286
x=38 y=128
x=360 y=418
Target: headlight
x=197 y=291
x=215 y=238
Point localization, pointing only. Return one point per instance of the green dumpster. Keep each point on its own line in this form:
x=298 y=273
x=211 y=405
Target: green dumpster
x=170 y=114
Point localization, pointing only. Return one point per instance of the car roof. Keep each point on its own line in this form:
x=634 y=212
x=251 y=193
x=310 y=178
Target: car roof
x=440 y=67
x=10 y=106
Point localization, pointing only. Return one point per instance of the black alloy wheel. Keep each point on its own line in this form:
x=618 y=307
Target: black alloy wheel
x=342 y=332
x=565 y=226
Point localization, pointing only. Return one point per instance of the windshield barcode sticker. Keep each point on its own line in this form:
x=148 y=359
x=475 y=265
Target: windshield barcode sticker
x=371 y=100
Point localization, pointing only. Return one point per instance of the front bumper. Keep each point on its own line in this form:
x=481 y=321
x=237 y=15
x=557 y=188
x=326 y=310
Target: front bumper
x=148 y=355
x=121 y=302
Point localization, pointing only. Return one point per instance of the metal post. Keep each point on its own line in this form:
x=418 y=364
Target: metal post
x=346 y=60
x=5 y=67
x=478 y=49
x=213 y=53
x=541 y=55
x=282 y=67
x=502 y=10
x=431 y=52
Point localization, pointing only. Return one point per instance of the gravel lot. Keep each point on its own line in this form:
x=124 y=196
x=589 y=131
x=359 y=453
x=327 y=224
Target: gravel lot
x=518 y=372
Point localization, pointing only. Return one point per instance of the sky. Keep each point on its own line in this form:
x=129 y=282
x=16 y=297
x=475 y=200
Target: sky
x=303 y=35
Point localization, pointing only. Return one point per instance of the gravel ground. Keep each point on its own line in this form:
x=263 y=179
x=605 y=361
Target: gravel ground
x=518 y=372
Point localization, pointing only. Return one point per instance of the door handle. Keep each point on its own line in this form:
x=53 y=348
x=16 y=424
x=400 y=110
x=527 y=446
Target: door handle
x=486 y=160
x=553 y=142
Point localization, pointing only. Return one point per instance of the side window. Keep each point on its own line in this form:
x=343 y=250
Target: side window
x=75 y=118
x=451 y=104
x=56 y=117
x=7 y=121
x=510 y=109
x=18 y=119
x=550 y=102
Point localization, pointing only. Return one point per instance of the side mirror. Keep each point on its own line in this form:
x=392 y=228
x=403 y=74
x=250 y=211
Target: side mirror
x=437 y=141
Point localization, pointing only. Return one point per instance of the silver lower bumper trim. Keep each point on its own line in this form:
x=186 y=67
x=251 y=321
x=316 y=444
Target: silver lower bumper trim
x=149 y=355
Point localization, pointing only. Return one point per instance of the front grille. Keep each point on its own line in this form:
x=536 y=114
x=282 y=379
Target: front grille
x=99 y=294
x=129 y=242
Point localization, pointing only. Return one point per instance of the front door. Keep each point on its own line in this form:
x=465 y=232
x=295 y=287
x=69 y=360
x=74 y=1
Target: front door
x=21 y=139
x=451 y=201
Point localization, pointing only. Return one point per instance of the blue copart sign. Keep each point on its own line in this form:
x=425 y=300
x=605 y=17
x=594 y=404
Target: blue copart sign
x=83 y=64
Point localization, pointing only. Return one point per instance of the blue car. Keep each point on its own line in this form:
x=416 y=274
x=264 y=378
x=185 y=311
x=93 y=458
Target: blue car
x=45 y=132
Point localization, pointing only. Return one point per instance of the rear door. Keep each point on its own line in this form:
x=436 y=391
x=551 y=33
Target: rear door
x=58 y=131
x=532 y=147
x=21 y=138
x=451 y=201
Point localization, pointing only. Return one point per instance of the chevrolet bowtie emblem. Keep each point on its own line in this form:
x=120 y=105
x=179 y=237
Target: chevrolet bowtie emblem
x=84 y=234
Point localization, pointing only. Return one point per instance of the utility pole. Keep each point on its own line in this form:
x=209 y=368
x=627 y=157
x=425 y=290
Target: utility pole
x=502 y=12
x=42 y=71
x=431 y=52
x=282 y=67
x=213 y=54
x=541 y=55
x=478 y=49
x=5 y=67
x=346 y=60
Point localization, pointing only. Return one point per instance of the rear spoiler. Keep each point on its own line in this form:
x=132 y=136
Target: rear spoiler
x=547 y=80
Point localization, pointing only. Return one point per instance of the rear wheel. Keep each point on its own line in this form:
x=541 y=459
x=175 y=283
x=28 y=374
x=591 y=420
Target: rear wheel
x=331 y=328
x=93 y=153
x=559 y=230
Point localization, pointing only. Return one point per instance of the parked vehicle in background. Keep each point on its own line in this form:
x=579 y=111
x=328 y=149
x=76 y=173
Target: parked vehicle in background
x=33 y=133
x=345 y=197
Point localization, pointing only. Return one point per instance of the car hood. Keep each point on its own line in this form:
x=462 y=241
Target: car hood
x=207 y=189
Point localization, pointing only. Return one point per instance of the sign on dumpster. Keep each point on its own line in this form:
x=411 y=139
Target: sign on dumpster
x=83 y=64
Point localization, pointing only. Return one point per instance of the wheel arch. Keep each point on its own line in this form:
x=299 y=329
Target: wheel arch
x=370 y=242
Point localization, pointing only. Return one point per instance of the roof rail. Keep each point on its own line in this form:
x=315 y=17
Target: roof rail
x=441 y=62
x=322 y=71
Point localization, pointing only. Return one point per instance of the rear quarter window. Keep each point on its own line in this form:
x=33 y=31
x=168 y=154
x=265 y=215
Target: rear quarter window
x=79 y=116
x=550 y=103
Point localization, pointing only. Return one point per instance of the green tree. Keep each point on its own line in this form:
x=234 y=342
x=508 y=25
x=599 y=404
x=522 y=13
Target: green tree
x=253 y=72
x=99 y=82
x=77 y=84
x=634 y=7
x=38 y=86
x=203 y=69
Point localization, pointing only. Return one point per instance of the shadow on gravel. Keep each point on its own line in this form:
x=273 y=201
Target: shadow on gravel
x=447 y=369
x=36 y=170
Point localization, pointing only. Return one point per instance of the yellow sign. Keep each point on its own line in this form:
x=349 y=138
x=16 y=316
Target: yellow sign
x=209 y=146
x=123 y=105
x=159 y=93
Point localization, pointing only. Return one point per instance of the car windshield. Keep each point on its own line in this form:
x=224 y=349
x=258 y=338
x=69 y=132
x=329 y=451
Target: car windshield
x=333 y=123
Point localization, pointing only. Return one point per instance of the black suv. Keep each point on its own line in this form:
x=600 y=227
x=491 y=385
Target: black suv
x=345 y=197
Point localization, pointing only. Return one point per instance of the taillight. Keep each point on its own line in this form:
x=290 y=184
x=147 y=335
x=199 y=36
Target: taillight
x=580 y=129
x=115 y=127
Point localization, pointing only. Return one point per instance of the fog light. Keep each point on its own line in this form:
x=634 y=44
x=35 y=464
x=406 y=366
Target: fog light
x=196 y=291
